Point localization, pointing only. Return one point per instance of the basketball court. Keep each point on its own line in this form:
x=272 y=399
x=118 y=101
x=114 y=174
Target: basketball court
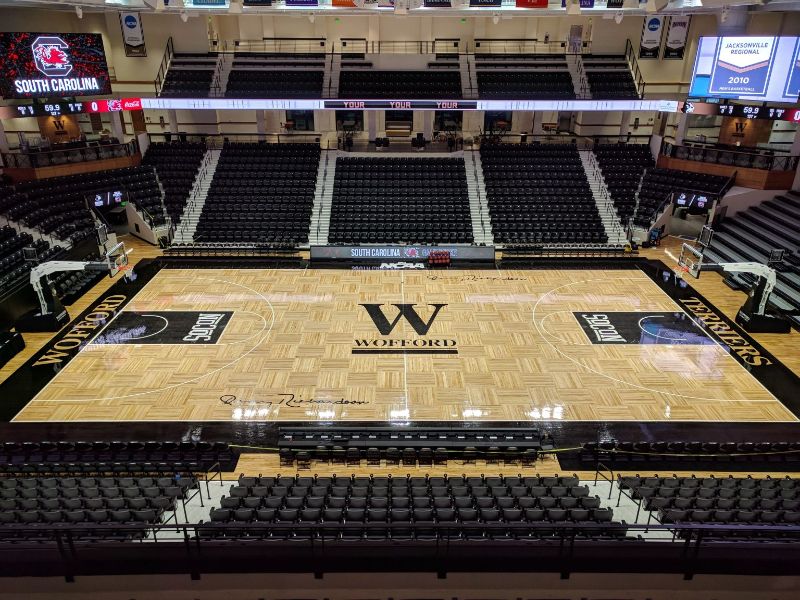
x=333 y=345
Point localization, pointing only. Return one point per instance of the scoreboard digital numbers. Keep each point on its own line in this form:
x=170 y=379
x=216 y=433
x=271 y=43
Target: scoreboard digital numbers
x=53 y=109
x=57 y=109
x=771 y=113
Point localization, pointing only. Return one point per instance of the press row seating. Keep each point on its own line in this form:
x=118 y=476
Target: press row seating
x=681 y=455
x=104 y=457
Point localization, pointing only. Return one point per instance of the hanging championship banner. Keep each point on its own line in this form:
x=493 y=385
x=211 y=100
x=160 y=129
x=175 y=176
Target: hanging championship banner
x=615 y=3
x=650 y=45
x=676 y=37
x=301 y=2
x=132 y=34
x=485 y=3
x=437 y=4
x=742 y=66
x=531 y=4
x=581 y=4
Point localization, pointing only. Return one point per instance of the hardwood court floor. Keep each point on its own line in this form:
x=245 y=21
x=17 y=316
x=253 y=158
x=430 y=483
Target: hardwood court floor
x=287 y=354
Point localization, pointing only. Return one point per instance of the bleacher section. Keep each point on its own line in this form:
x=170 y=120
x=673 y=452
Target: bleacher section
x=408 y=507
x=542 y=85
x=177 y=164
x=261 y=193
x=622 y=166
x=57 y=206
x=611 y=85
x=190 y=75
x=187 y=83
x=251 y=83
x=524 y=76
x=414 y=200
x=744 y=500
x=685 y=455
x=539 y=194
x=658 y=184
x=609 y=77
x=100 y=500
x=100 y=458
x=12 y=262
x=443 y=85
x=750 y=235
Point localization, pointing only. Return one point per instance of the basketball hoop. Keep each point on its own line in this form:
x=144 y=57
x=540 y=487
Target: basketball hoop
x=681 y=271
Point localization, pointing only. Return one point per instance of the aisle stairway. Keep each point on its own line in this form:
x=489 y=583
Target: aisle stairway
x=197 y=198
x=323 y=198
x=578 y=74
x=750 y=235
x=469 y=78
x=330 y=82
x=602 y=198
x=478 y=205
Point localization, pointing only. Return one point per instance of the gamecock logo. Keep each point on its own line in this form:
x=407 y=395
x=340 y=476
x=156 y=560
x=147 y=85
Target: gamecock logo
x=50 y=56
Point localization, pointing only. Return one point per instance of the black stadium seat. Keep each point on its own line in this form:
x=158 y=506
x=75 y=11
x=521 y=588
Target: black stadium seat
x=261 y=193
x=539 y=194
x=414 y=200
x=443 y=85
x=622 y=166
x=177 y=164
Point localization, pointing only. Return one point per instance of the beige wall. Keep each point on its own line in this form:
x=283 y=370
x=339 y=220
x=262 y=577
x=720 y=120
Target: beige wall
x=134 y=76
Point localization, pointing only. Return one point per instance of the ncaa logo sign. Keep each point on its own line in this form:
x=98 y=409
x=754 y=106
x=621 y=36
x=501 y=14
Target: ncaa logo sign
x=130 y=22
x=653 y=24
x=50 y=56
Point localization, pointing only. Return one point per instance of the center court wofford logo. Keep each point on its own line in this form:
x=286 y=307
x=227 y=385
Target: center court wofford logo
x=418 y=345
x=50 y=56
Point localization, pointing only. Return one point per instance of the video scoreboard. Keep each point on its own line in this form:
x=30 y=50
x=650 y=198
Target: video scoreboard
x=772 y=113
x=71 y=107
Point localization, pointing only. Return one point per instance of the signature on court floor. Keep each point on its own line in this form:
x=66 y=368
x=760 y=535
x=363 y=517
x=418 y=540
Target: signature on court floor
x=288 y=400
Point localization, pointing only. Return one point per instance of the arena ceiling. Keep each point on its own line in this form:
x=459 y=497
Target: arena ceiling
x=459 y=7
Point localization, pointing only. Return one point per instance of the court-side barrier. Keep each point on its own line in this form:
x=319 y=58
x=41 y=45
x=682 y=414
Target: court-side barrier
x=230 y=249
x=563 y=547
x=411 y=253
x=581 y=250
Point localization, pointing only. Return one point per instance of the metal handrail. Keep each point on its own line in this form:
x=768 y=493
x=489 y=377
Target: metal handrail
x=517 y=46
x=765 y=161
x=277 y=45
x=633 y=65
x=48 y=158
x=166 y=59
